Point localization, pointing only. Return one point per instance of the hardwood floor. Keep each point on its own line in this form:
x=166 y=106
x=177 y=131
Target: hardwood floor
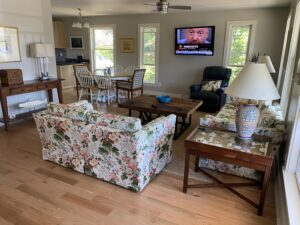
x=37 y=192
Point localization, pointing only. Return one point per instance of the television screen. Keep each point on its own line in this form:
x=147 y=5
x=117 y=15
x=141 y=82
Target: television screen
x=195 y=40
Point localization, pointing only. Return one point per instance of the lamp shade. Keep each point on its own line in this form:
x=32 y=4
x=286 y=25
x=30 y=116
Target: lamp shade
x=253 y=82
x=39 y=50
x=267 y=60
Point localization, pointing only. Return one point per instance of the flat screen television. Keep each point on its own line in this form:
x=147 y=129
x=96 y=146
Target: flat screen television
x=195 y=40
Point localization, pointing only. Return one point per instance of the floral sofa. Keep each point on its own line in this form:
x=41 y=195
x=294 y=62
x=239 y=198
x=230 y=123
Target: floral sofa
x=110 y=147
x=270 y=124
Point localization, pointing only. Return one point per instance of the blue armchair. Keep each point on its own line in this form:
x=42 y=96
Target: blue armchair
x=212 y=100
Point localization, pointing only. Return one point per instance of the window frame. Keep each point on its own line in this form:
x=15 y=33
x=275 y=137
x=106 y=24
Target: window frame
x=141 y=49
x=228 y=39
x=92 y=43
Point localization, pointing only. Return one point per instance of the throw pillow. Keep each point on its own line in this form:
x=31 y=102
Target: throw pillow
x=213 y=85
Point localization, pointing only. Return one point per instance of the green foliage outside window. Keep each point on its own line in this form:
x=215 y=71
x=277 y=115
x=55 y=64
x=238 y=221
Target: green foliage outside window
x=238 y=49
x=149 y=37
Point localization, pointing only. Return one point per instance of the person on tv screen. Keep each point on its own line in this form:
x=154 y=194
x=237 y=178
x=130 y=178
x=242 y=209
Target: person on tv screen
x=196 y=36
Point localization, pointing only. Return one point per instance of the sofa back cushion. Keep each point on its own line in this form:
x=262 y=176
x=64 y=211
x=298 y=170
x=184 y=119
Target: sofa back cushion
x=125 y=123
x=270 y=115
x=74 y=111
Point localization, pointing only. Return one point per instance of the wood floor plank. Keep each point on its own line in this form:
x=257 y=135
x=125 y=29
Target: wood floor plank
x=81 y=202
x=56 y=176
x=34 y=191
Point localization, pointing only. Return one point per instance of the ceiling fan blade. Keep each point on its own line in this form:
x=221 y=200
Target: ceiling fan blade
x=180 y=7
x=149 y=4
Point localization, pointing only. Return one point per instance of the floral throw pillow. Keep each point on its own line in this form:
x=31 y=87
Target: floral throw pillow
x=212 y=85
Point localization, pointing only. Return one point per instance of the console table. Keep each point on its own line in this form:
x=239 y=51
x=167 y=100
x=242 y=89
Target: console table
x=27 y=87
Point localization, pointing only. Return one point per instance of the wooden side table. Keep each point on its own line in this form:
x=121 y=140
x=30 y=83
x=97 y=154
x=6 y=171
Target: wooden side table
x=221 y=146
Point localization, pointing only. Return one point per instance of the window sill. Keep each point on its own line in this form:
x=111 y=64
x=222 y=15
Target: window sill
x=292 y=194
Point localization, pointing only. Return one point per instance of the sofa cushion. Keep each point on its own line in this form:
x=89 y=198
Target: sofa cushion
x=74 y=111
x=125 y=123
x=212 y=85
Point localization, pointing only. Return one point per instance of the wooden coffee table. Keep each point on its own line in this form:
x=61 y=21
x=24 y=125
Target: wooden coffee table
x=221 y=146
x=148 y=105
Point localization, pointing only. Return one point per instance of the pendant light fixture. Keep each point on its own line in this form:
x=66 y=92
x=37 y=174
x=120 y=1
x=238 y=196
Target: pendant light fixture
x=80 y=21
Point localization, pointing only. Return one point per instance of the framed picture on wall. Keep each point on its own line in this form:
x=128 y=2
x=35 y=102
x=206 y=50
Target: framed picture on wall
x=126 y=45
x=9 y=45
x=76 y=42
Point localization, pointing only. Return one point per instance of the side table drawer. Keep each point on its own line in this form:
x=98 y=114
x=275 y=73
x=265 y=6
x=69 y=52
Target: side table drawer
x=21 y=90
x=47 y=86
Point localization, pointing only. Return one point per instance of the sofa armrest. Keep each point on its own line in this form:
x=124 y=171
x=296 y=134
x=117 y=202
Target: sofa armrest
x=195 y=88
x=220 y=91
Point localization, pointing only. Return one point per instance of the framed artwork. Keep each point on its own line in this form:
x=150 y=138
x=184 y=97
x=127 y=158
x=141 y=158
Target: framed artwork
x=126 y=45
x=76 y=42
x=9 y=45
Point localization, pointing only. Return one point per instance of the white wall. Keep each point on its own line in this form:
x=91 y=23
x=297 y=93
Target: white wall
x=33 y=19
x=177 y=73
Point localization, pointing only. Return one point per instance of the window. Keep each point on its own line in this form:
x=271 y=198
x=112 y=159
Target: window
x=239 y=43
x=103 y=47
x=148 y=51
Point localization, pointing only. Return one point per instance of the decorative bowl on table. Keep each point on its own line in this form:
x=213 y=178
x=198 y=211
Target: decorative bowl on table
x=163 y=98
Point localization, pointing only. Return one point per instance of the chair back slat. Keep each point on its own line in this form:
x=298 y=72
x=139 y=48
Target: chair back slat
x=138 y=78
x=117 y=69
x=84 y=76
x=103 y=82
x=129 y=70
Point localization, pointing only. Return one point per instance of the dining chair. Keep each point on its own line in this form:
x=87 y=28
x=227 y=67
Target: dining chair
x=76 y=69
x=85 y=80
x=135 y=84
x=129 y=70
x=104 y=84
x=117 y=69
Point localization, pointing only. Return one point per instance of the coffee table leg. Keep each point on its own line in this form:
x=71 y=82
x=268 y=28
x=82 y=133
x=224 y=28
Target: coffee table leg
x=197 y=163
x=186 y=171
x=129 y=112
x=264 y=189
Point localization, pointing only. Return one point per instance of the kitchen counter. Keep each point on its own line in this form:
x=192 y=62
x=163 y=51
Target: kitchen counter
x=71 y=62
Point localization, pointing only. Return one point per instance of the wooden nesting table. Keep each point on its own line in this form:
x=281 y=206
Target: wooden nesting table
x=147 y=105
x=221 y=146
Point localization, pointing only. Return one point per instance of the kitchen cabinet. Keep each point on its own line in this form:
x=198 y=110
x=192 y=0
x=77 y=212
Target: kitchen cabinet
x=66 y=72
x=59 y=34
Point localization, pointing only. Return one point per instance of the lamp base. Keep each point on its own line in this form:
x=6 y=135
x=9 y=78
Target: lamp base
x=246 y=120
x=44 y=78
x=242 y=140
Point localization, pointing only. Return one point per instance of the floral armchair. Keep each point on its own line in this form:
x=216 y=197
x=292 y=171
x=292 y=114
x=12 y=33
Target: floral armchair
x=110 y=147
x=271 y=124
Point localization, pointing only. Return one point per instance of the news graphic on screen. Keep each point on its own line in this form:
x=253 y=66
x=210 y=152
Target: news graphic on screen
x=195 y=41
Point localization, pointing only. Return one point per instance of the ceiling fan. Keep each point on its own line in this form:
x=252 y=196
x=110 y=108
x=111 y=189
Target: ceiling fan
x=163 y=6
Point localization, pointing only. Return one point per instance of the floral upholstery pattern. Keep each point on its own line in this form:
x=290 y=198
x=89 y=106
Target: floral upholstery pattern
x=125 y=123
x=212 y=85
x=271 y=124
x=125 y=158
x=75 y=111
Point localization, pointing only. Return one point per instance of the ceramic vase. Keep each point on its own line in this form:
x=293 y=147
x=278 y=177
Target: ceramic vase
x=246 y=120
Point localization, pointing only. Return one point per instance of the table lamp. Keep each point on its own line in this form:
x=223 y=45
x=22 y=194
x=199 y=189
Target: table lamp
x=254 y=82
x=266 y=60
x=41 y=52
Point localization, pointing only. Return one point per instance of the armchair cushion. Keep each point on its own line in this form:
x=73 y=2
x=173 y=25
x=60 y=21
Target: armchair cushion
x=212 y=85
x=205 y=96
x=124 y=84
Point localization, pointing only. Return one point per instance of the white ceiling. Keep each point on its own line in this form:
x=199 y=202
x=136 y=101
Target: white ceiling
x=121 y=7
